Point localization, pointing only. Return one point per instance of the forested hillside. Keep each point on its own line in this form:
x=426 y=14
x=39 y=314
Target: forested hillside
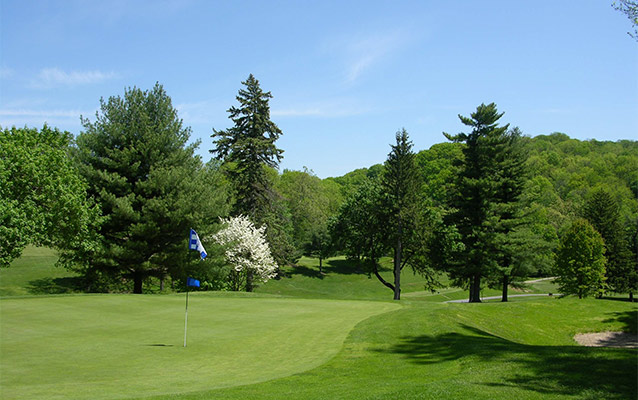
x=560 y=175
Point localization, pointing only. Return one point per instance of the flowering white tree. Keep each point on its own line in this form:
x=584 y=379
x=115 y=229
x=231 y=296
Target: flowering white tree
x=247 y=250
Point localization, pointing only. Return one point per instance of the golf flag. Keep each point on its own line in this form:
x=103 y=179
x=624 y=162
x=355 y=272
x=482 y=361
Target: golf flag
x=196 y=244
x=192 y=282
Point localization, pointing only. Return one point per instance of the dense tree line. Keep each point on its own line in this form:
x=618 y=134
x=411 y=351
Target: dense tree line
x=489 y=207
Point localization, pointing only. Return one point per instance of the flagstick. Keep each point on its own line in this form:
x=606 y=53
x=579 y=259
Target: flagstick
x=186 y=317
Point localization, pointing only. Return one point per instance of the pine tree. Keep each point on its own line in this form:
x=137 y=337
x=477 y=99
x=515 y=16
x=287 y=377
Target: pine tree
x=148 y=183
x=477 y=191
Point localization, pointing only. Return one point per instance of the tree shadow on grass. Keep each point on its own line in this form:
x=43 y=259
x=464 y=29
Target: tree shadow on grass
x=349 y=267
x=567 y=370
x=67 y=284
x=305 y=271
x=340 y=267
x=629 y=319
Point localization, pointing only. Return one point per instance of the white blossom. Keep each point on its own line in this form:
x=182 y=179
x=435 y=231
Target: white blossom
x=246 y=247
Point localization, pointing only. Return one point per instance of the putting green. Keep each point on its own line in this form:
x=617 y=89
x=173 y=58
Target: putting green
x=119 y=346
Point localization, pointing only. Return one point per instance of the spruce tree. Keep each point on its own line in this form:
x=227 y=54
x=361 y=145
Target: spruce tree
x=401 y=188
x=248 y=150
x=249 y=147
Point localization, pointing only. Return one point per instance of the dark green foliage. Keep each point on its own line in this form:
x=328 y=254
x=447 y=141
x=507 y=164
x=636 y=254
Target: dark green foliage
x=602 y=211
x=250 y=156
x=477 y=193
x=580 y=260
x=42 y=197
x=400 y=185
x=150 y=187
x=248 y=148
x=358 y=229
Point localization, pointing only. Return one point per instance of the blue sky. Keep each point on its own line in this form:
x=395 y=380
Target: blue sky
x=345 y=75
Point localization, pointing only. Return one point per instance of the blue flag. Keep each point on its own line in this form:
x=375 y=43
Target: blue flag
x=196 y=244
x=192 y=282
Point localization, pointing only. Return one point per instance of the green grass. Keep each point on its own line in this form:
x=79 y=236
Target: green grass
x=517 y=350
x=335 y=335
x=35 y=273
x=104 y=346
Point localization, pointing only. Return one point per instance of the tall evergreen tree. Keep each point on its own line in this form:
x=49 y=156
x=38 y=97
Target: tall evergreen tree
x=603 y=212
x=148 y=184
x=509 y=171
x=248 y=149
x=477 y=192
x=401 y=186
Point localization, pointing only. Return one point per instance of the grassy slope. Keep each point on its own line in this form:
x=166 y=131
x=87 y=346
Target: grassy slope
x=341 y=280
x=518 y=350
x=259 y=345
x=34 y=273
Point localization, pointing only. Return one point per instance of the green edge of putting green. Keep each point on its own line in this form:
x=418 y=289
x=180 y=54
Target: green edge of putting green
x=122 y=346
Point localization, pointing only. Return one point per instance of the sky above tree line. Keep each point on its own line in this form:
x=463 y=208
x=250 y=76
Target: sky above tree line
x=345 y=76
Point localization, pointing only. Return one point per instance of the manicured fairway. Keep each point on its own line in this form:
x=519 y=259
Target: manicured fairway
x=125 y=346
x=518 y=350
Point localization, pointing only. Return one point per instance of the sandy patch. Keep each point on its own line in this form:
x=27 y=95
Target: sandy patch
x=608 y=339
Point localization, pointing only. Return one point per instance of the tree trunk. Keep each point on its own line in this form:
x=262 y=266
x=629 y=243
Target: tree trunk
x=631 y=297
x=506 y=282
x=137 y=282
x=475 y=289
x=249 y=280
x=162 y=283
x=375 y=269
x=397 y=267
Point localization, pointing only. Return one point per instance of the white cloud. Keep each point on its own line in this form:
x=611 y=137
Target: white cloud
x=63 y=119
x=363 y=52
x=54 y=77
x=328 y=109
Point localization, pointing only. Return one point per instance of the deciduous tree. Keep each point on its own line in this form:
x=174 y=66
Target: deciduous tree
x=580 y=260
x=42 y=197
x=247 y=251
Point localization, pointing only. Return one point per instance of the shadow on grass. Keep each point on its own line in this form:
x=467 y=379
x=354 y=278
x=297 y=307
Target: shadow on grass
x=629 y=319
x=55 y=285
x=566 y=370
x=616 y=298
x=305 y=271
x=349 y=267
x=340 y=267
